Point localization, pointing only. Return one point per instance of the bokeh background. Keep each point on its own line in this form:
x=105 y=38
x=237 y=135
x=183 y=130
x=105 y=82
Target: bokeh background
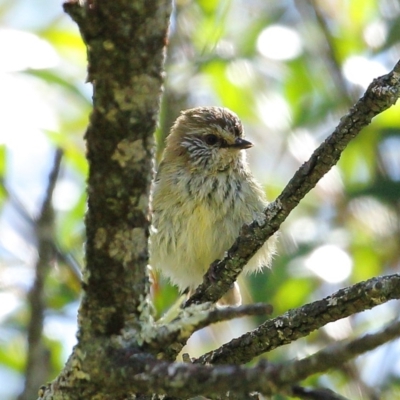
x=290 y=70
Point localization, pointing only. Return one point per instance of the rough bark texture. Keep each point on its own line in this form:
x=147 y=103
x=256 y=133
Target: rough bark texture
x=125 y=41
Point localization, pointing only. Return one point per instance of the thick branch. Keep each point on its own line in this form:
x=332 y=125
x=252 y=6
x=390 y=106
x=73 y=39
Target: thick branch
x=301 y=321
x=140 y=373
x=382 y=93
x=125 y=41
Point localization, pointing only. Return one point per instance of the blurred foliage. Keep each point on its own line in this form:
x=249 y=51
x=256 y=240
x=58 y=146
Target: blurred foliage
x=290 y=70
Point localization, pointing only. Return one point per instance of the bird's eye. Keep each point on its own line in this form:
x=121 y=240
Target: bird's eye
x=211 y=139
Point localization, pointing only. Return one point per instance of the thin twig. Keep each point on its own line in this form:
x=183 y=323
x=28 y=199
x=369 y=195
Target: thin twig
x=228 y=313
x=66 y=257
x=336 y=354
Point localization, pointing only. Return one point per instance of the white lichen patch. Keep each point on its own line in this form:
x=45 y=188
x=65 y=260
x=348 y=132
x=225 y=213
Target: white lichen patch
x=279 y=323
x=260 y=219
x=273 y=208
x=191 y=317
x=100 y=238
x=129 y=152
x=123 y=97
x=332 y=301
x=139 y=95
x=281 y=335
x=120 y=246
x=75 y=366
x=82 y=375
x=126 y=243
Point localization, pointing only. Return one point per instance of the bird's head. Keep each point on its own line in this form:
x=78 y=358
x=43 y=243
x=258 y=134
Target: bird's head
x=207 y=138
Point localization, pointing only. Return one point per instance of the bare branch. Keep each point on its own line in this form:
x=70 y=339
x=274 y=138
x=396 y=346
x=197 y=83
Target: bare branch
x=38 y=357
x=66 y=257
x=301 y=321
x=228 y=313
x=170 y=337
x=381 y=94
x=337 y=354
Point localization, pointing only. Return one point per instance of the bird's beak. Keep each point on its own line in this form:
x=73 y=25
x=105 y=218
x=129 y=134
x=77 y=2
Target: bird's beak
x=242 y=144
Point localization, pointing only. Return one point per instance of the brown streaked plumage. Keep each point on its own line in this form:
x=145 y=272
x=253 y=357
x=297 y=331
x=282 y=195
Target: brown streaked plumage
x=203 y=194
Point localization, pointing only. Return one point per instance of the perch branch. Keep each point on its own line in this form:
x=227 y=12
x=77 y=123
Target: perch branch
x=381 y=94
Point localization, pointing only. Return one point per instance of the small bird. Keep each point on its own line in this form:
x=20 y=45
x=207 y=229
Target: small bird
x=203 y=194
